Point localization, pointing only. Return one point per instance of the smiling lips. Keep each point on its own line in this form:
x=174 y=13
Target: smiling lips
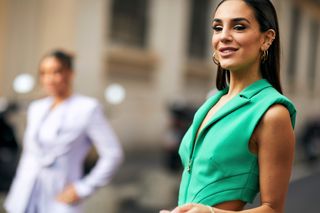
x=227 y=51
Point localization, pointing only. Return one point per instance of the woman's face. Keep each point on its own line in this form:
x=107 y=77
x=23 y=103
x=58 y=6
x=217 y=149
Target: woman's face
x=55 y=79
x=236 y=39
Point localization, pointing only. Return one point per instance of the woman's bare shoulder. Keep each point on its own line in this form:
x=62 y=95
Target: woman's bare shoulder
x=276 y=116
x=275 y=125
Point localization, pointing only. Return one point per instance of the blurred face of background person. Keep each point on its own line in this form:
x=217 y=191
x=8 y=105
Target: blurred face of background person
x=237 y=39
x=55 y=78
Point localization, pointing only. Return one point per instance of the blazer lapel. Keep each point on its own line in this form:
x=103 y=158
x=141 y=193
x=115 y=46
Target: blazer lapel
x=36 y=121
x=235 y=103
x=203 y=111
x=61 y=143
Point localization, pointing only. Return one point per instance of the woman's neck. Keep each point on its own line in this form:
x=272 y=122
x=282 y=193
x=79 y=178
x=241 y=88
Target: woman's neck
x=240 y=80
x=58 y=99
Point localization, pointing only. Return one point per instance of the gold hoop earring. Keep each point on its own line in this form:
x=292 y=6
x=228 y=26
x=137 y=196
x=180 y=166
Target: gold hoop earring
x=214 y=59
x=264 y=56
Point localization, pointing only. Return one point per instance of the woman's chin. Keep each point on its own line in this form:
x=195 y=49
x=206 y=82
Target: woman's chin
x=226 y=66
x=51 y=93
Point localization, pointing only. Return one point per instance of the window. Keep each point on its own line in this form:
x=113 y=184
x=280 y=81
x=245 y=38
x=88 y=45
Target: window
x=198 y=44
x=128 y=24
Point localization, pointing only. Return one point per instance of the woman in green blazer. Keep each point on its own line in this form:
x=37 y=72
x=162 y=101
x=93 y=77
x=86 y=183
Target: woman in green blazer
x=241 y=141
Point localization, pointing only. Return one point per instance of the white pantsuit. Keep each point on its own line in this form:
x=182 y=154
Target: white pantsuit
x=56 y=143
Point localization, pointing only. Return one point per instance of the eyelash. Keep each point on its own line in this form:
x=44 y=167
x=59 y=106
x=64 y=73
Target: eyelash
x=237 y=27
x=240 y=27
x=217 y=28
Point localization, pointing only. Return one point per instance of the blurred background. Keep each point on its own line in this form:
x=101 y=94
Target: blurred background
x=149 y=64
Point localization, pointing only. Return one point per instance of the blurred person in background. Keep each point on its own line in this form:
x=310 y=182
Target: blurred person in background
x=61 y=129
x=241 y=141
x=9 y=149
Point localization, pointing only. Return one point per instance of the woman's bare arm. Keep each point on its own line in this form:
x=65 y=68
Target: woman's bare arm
x=276 y=141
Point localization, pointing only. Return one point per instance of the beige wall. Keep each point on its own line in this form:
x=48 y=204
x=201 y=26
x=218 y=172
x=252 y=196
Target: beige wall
x=57 y=24
x=3 y=19
x=89 y=43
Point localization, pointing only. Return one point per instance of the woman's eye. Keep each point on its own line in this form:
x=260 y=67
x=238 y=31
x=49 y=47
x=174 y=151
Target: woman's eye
x=58 y=71
x=217 y=28
x=239 y=27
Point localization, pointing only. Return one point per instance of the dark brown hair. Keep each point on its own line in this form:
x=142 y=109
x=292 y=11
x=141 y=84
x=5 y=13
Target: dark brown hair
x=266 y=16
x=64 y=58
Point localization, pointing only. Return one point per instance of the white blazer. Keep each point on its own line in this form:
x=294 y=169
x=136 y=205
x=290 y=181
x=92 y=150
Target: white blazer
x=60 y=163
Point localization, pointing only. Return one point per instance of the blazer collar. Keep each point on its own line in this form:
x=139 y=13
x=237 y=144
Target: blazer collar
x=42 y=112
x=254 y=88
x=235 y=103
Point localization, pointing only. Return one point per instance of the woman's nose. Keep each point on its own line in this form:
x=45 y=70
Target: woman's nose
x=47 y=78
x=225 y=35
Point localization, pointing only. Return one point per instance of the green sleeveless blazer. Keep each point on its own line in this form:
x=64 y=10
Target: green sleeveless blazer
x=218 y=165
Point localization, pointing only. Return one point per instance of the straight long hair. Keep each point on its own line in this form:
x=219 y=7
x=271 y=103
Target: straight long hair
x=266 y=16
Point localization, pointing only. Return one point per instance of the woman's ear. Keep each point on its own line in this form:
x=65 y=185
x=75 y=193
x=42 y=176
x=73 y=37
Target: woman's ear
x=269 y=36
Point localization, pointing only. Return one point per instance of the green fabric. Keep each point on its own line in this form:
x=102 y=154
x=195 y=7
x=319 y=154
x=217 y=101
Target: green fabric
x=218 y=165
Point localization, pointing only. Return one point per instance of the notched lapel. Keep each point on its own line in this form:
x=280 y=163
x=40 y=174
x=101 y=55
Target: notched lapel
x=234 y=104
x=38 y=114
x=203 y=111
x=238 y=101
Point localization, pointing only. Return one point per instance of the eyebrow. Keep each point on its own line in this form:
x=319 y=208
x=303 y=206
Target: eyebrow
x=233 y=20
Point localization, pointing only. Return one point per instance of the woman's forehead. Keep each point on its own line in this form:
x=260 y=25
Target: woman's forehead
x=232 y=9
x=50 y=63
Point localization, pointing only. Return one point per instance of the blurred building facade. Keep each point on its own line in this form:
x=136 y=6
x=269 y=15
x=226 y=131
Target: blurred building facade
x=158 y=50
